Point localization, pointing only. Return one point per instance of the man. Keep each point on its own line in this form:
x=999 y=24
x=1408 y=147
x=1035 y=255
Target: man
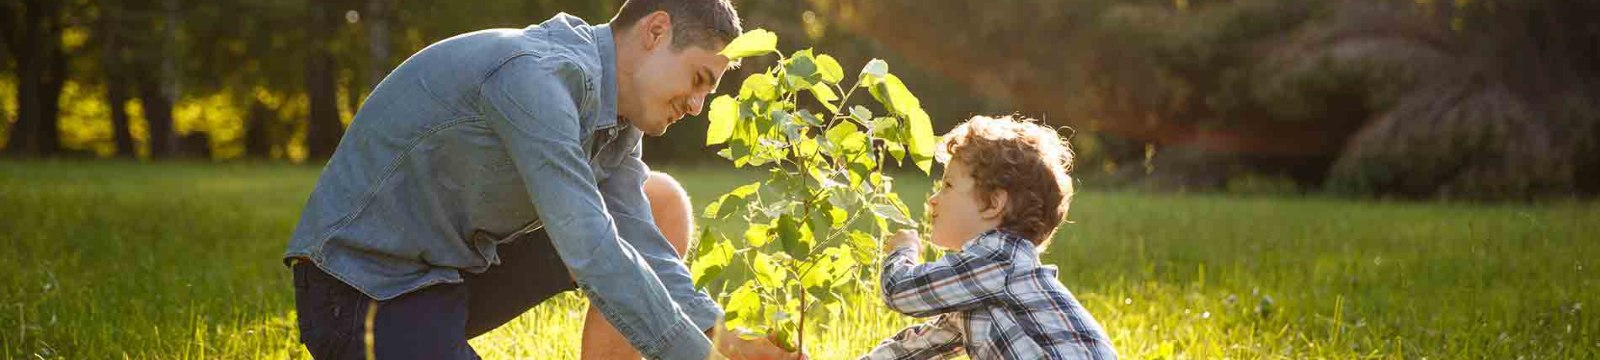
x=495 y=169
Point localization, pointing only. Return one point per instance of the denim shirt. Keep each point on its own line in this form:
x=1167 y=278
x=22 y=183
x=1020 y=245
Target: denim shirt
x=483 y=137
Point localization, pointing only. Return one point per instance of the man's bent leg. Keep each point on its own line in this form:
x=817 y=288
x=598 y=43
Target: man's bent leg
x=529 y=273
x=338 y=322
x=670 y=206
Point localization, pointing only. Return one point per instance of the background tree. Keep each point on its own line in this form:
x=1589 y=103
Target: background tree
x=32 y=31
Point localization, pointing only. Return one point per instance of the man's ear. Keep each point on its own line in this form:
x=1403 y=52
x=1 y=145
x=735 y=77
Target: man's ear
x=997 y=205
x=655 y=29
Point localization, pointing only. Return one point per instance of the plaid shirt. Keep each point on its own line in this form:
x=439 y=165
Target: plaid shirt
x=993 y=300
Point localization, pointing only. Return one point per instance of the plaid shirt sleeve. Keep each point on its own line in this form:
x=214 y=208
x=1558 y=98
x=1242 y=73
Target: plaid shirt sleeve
x=958 y=281
x=936 y=339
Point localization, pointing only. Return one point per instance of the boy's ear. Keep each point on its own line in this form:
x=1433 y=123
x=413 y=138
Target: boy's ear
x=997 y=205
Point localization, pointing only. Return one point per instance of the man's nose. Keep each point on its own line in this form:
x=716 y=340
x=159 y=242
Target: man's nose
x=696 y=103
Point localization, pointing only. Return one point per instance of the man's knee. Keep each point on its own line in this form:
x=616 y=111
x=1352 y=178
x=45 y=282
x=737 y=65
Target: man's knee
x=669 y=204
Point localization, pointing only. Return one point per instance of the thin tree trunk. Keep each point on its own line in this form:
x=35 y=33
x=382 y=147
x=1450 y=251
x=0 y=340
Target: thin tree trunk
x=158 y=118
x=22 y=141
x=257 y=144
x=48 y=132
x=117 y=100
x=158 y=87
x=377 y=41
x=323 y=129
x=35 y=41
x=113 y=63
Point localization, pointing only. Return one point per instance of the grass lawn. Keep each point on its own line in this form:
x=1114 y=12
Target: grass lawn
x=116 y=259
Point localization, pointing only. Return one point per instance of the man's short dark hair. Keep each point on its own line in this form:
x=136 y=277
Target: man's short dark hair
x=705 y=23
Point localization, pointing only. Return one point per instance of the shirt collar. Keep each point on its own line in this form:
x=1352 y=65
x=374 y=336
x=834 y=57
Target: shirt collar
x=991 y=240
x=608 y=78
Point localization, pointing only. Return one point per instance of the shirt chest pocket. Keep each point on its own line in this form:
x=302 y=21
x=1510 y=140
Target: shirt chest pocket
x=608 y=148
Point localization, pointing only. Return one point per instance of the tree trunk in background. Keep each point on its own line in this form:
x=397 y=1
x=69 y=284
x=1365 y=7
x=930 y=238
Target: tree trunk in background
x=323 y=129
x=117 y=100
x=48 y=134
x=257 y=143
x=378 y=43
x=158 y=86
x=158 y=118
x=33 y=37
x=113 y=63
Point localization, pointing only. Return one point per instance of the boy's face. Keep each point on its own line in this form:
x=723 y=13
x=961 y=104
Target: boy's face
x=668 y=83
x=957 y=211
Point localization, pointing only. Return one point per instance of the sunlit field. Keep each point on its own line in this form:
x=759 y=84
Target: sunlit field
x=111 y=260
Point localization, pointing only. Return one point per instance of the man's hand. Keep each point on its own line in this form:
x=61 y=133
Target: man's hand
x=903 y=239
x=731 y=346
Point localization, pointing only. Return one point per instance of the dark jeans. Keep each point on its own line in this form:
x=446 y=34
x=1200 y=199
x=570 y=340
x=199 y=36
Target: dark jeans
x=430 y=323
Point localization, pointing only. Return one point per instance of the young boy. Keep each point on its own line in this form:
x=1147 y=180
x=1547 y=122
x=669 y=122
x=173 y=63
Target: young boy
x=1005 y=189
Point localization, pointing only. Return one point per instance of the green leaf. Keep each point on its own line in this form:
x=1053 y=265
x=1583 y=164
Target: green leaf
x=900 y=207
x=726 y=204
x=807 y=148
x=785 y=337
x=886 y=128
x=860 y=166
x=874 y=71
x=842 y=264
x=825 y=95
x=809 y=118
x=800 y=69
x=922 y=141
x=882 y=224
x=829 y=68
x=794 y=128
x=731 y=202
x=792 y=82
x=817 y=276
x=895 y=96
x=746 y=190
x=843 y=197
x=887 y=211
x=724 y=113
x=865 y=246
x=860 y=113
x=896 y=150
x=744 y=307
x=751 y=43
x=794 y=242
x=767 y=271
x=841 y=133
x=802 y=64
x=758 y=234
x=718 y=254
x=838 y=216
x=759 y=86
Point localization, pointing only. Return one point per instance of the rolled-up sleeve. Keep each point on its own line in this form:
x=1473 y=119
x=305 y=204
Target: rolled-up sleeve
x=533 y=103
x=624 y=196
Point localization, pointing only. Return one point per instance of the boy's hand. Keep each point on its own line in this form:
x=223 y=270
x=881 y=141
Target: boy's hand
x=903 y=239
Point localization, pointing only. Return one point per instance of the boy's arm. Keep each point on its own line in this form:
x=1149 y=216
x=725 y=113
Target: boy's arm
x=936 y=339
x=958 y=281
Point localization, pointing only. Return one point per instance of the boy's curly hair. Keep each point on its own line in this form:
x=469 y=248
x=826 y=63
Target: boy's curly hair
x=1028 y=160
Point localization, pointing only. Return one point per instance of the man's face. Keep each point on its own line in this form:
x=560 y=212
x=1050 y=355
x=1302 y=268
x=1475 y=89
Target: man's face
x=672 y=83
